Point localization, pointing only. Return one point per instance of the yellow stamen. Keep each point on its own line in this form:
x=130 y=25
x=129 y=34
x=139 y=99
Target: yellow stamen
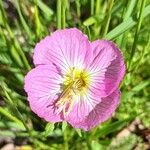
x=76 y=83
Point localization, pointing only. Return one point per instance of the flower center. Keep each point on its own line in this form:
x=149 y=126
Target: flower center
x=77 y=80
x=75 y=83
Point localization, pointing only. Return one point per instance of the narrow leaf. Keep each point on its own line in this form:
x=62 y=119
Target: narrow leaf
x=64 y=125
x=124 y=26
x=49 y=129
x=79 y=132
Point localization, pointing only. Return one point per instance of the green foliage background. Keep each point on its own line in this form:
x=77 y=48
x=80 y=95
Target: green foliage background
x=24 y=22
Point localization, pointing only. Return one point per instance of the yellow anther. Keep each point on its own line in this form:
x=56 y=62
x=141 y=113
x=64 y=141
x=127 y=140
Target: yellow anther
x=76 y=83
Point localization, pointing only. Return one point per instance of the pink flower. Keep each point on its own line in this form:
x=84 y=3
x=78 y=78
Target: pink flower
x=74 y=79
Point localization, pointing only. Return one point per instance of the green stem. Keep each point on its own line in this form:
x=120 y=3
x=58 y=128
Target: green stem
x=92 y=7
x=89 y=33
x=108 y=17
x=78 y=8
x=137 y=32
x=24 y=24
x=14 y=40
x=97 y=11
x=10 y=101
x=126 y=15
x=2 y=35
x=66 y=139
x=97 y=25
x=142 y=54
x=4 y=112
x=59 y=14
x=64 y=14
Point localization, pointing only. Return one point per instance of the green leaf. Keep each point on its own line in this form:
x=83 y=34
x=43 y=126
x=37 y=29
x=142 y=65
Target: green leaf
x=38 y=25
x=124 y=26
x=15 y=56
x=64 y=125
x=7 y=133
x=130 y=8
x=24 y=24
x=13 y=107
x=112 y=127
x=141 y=86
x=46 y=10
x=10 y=124
x=92 y=20
x=79 y=132
x=95 y=145
x=5 y=112
x=49 y=129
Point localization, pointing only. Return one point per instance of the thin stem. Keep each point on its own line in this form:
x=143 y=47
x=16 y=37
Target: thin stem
x=64 y=13
x=89 y=33
x=142 y=54
x=137 y=32
x=10 y=101
x=108 y=17
x=78 y=8
x=2 y=35
x=66 y=139
x=127 y=11
x=4 y=112
x=14 y=40
x=59 y=14
x=92 y=7
x=97 y=11
x=97 y=25
x=63 y=17
x=25 y=25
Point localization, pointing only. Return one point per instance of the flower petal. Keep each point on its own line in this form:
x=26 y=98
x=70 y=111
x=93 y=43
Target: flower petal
x=107 y=68
x=101 y=112
x=83 y=105
x=42 y=85
x=64 y=48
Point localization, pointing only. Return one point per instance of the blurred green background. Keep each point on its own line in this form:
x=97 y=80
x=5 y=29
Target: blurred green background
x=24 y=22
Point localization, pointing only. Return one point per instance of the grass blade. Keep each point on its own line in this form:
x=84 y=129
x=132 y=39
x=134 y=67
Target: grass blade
x=47 y=11
x=59 y=14
x=11 y=117
x=24 y=24
x=108 y=17
x=137 y=31
x=124 y=26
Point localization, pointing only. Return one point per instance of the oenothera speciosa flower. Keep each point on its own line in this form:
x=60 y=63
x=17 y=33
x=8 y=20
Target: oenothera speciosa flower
x=74 y=79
